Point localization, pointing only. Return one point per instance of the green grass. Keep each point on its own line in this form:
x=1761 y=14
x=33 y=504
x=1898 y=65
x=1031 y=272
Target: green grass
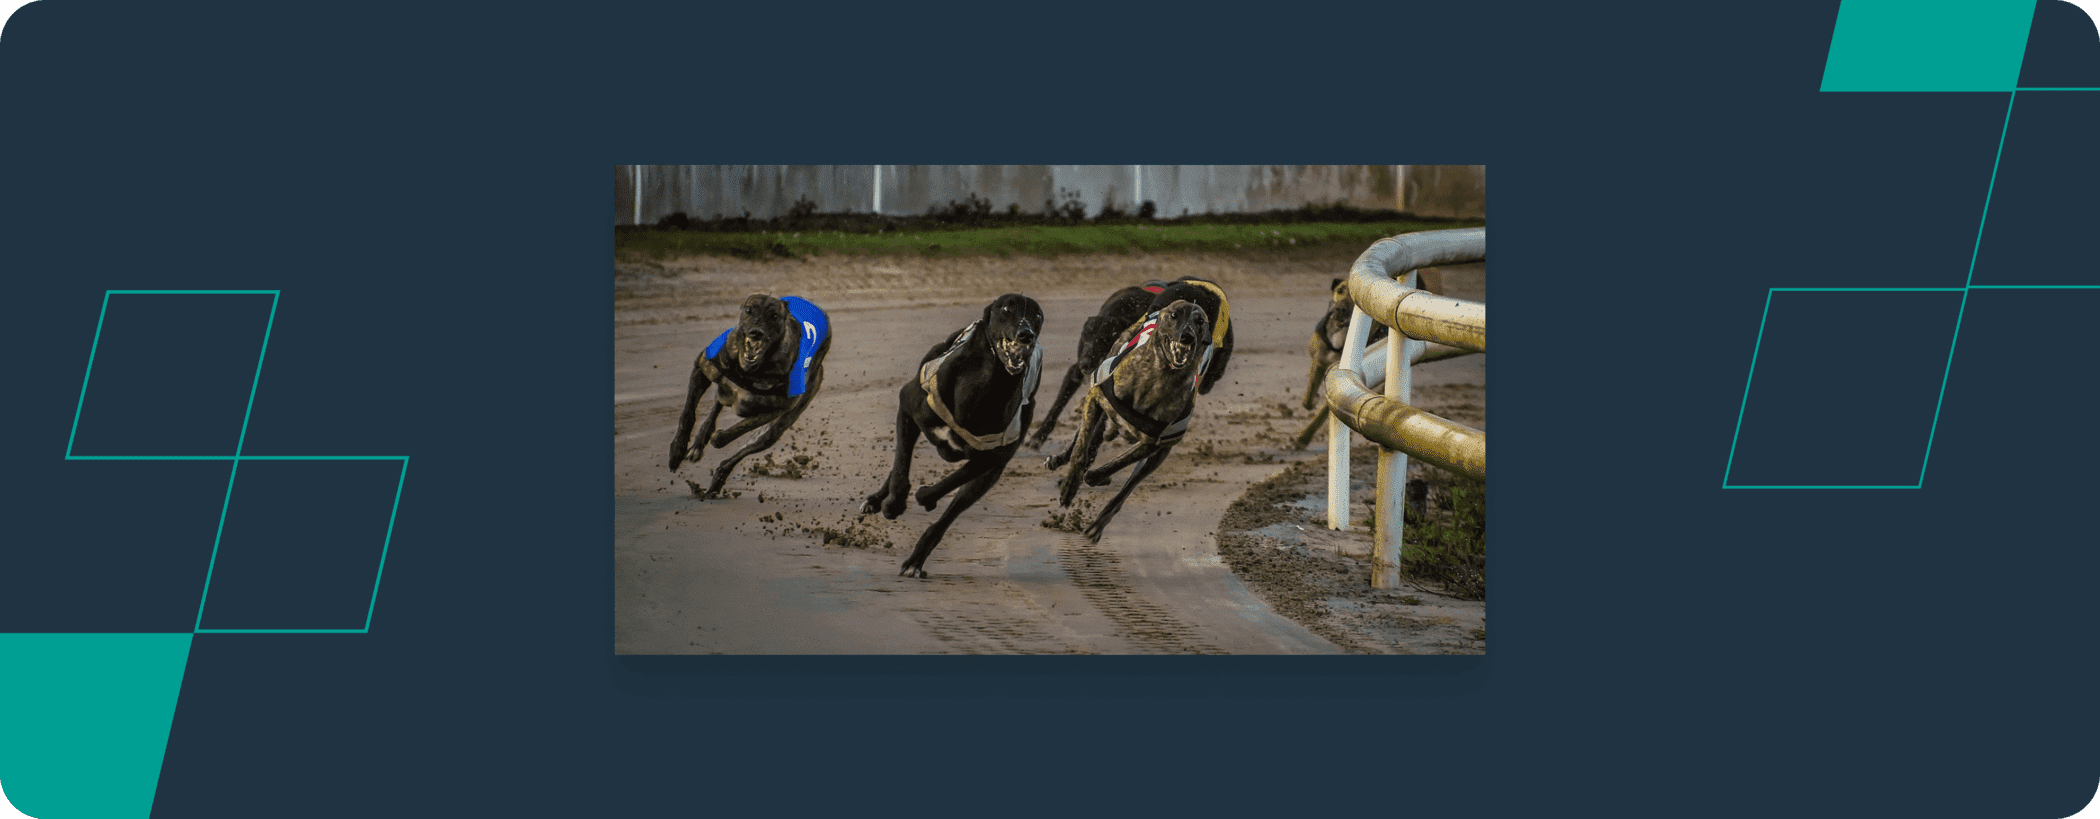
x=1451 y=549
x=1034 y=240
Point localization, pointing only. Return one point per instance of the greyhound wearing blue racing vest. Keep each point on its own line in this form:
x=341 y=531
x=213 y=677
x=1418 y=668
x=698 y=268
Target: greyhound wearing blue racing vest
x=767 y=367
x=971 y=397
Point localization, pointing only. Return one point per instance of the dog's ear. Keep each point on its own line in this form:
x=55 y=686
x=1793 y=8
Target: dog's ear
x=1337 y=285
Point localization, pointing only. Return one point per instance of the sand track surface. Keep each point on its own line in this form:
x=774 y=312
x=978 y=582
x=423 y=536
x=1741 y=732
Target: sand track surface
x=788 y=565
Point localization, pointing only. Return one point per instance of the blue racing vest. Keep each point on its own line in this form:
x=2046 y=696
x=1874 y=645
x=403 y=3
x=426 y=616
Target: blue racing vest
x=815 y=326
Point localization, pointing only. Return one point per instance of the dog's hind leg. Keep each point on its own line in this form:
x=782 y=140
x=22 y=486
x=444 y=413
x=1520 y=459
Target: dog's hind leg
x=1144 y=468
x=1098 y=476
x=696 y=388
x=1057 y=461
x=930 y=495
x=889 y=497
x=722 y=439
x=782 y=421
x=981 y=473
x=1074 y=377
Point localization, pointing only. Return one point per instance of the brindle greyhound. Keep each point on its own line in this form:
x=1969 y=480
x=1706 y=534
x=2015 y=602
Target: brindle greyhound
x=971 y=397
x=1325 y=348
x=768 y=368
x=1152 y=384
x=1122 y=309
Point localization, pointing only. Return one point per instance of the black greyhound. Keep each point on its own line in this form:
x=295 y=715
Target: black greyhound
x=1151 y=382
x=971 y=397
x=768 y=368
x=1121 y=310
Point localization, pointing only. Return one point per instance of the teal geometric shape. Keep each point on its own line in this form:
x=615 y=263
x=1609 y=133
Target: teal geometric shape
x=84 y=720
x=96 y=347
x=236 y=457
x=1729 y=469
x=1928 y=45
x=380 y=573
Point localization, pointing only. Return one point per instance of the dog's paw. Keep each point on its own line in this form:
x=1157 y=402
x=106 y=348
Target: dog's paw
x=1096 y=477
x=926 y=498
x=912 y=571
x=1093 y=531
x=874 y=502
x=720 y=439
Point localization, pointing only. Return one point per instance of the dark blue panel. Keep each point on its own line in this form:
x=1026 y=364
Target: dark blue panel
x=172 y=374
x=1845 y=388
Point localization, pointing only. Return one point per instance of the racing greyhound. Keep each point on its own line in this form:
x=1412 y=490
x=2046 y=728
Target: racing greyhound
x=1151 y=382
x=1325 y=347
x=971 y=397
x=769 y=366
x=1123 y=307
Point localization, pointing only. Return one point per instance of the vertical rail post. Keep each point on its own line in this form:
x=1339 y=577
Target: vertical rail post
x=1391 y=506
x=878 y=191
x=637 y=194
x=1338 y=434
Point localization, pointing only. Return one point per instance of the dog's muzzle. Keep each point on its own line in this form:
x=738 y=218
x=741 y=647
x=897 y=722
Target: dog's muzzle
x=1013 y=351
x=754 y=349
x=1180 y=349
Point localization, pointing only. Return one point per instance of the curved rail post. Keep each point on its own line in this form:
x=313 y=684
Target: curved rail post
x=1415 y=316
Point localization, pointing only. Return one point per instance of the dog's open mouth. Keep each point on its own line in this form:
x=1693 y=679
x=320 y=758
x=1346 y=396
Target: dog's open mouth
x=1013 y=354
x=1180 y=349
x=754 y=349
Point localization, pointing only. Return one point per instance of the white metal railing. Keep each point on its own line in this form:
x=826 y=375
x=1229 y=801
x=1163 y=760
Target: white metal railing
x=1415 y=316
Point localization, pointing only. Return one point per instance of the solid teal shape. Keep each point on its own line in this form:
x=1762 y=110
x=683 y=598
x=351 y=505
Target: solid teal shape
x=1928 y=45
x=84 y=720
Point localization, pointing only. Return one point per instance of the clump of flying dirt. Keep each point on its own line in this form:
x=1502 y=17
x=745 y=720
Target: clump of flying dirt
x=1074 y=519
x=700 y=491
x=857 y=534
x=792 y=468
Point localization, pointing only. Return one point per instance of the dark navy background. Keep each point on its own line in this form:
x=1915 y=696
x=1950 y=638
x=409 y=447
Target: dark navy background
x=428 y=188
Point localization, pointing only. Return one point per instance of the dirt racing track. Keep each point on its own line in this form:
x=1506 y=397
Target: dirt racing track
x=788 y=565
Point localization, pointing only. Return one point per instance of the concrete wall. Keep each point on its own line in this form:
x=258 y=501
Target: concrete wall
x=766 y=191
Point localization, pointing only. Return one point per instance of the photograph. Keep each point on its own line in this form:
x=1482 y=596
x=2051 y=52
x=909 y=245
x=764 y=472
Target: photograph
x=1049 y=409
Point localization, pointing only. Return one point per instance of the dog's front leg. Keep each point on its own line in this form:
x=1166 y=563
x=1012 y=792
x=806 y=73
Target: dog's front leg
x=1082 y=452
x=706 y=429
x=976 y=477
x=695 y=389
x=1305 y=435
x=1144 y=469
x=889 y=497
x=1318 y=348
